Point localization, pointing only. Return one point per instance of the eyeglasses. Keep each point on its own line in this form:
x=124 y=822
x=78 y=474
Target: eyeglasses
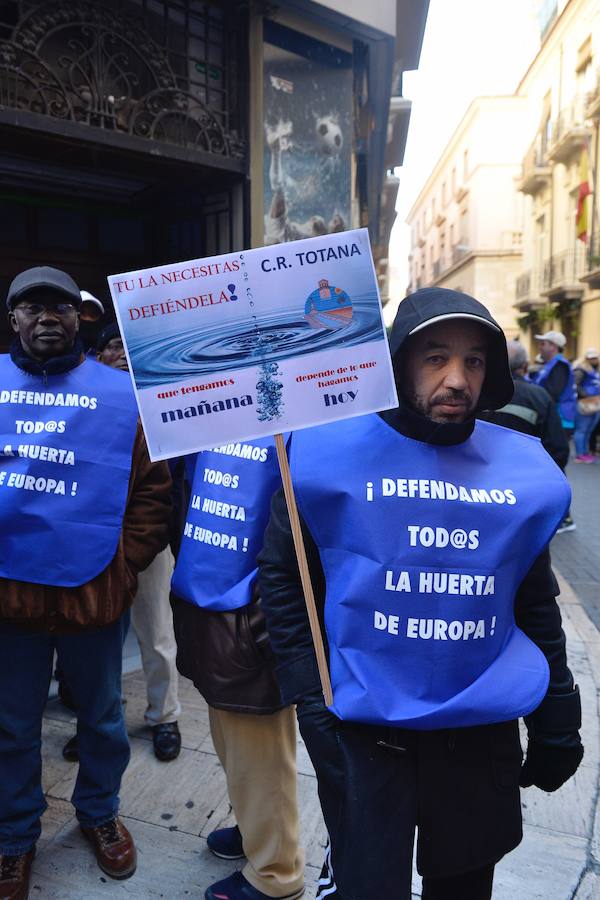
x=36 y=309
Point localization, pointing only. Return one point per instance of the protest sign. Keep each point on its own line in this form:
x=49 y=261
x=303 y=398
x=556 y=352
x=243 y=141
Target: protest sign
x=247 y=344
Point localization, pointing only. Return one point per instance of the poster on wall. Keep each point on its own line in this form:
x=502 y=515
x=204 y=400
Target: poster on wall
x=308 y=133
x=250 y=344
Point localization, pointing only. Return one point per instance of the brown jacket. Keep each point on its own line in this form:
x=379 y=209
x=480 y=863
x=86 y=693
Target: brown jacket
x=228 y=656
x=106 y=597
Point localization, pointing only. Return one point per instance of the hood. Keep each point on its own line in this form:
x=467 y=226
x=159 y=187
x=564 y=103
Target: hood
x=431 y=305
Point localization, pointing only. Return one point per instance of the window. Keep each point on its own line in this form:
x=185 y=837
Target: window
x=584 y=69
x=464 y=228
x=58 y=227
x=546 y=123
x=584 y=55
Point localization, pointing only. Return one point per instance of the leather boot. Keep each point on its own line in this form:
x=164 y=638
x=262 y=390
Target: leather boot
x=114 y=848
x=14 y=876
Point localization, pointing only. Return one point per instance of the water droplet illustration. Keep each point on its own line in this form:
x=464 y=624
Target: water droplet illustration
x=159 y=359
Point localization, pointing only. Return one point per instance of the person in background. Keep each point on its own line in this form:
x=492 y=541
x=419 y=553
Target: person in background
x=91 y=313
x=223 y=647
x=151 y=618
x=151 y=614
x=556 y=376
x=83 y=511
x=587 y=381
x=531 y=409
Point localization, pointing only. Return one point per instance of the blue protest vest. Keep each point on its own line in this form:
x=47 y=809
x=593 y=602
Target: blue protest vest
x=65 y=458
x=567 y=402
x=225 y=524
x=590 y=384
x=423 y=549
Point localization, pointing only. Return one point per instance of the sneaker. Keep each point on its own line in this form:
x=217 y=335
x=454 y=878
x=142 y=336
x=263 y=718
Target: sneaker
x=226 y=843
x=567 y=524
x=585 y=458
x=237 y=888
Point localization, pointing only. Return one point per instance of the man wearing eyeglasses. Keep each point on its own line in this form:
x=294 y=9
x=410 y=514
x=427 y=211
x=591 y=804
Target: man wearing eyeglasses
x=82 y=511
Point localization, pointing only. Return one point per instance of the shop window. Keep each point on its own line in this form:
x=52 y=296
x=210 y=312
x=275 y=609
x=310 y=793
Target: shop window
x=13 y=223
x=63 y=228
x=120 y=235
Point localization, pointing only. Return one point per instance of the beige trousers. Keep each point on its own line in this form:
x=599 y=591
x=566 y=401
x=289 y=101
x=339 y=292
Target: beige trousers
x=152 y=621
x=258 y=754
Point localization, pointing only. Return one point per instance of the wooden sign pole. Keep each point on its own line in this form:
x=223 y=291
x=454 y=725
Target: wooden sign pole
x=309 y=597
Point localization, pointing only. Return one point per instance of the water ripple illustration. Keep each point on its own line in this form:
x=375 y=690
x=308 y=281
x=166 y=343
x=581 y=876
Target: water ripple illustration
x=161 y=359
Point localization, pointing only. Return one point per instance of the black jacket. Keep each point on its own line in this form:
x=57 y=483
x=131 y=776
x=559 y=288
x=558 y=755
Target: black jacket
x=536 y=610
x=532 y=411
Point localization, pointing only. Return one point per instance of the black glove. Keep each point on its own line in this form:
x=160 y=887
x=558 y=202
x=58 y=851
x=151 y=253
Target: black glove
x=554 y=750
x=548 y=767
x=318 y=727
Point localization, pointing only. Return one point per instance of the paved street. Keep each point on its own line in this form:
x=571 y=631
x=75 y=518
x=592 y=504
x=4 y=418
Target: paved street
x=577 y=553
x=171 y=807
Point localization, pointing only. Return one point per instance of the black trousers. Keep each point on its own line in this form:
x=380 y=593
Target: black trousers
x=458 y=789
x=475 y=885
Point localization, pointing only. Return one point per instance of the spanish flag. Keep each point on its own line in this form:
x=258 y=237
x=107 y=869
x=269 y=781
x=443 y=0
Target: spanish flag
x=582 y=216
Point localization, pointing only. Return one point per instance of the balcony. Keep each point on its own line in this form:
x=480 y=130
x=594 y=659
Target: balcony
x=459 y=251
x=591 y=275
x=562 y=274
x=592 y=100
x=569 y=131
x=527 y=292
x=535 y=169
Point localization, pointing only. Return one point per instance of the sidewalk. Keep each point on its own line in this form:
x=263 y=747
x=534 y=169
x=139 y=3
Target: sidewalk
x=171 y=807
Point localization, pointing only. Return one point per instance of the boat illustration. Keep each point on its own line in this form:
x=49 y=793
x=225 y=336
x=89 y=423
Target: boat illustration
x=328 y=306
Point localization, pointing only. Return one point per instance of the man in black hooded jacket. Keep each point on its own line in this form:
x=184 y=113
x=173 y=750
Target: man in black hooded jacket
x=459 y=785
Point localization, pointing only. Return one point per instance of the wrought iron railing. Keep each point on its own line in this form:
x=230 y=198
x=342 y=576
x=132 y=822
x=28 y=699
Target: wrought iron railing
x=158 y=69
x=592 y=99
x=564 y=269
x=458 y=251
x=570 y=117
x=523 y=286
x=593 y=254
x=527 y=285
x=535 y=158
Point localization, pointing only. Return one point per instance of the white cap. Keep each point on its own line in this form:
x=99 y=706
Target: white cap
x=555 y=337
x=592 y=353
x=91 y=308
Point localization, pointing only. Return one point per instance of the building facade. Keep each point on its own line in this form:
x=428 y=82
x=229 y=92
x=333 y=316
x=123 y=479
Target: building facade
x=139 y=132
x=466 y=224
x=559 y=285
